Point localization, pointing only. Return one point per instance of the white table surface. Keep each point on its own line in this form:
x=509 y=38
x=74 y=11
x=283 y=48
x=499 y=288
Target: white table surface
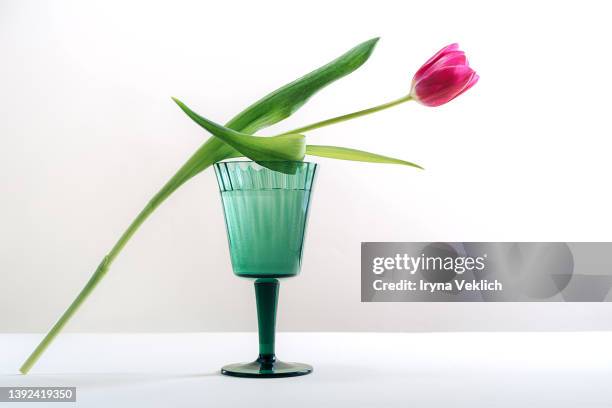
x=351 y=369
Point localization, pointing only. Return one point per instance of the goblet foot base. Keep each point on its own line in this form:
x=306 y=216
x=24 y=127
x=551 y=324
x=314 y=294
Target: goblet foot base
x=266 y=368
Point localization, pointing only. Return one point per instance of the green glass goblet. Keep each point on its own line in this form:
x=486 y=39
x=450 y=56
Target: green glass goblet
x=266 y=212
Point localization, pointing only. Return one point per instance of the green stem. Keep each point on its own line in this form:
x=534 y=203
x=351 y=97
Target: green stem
x=349 y=116
x=91 y=285
x=214 y=150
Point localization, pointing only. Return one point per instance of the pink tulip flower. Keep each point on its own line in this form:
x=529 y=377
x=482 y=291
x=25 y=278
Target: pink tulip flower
x=443 y=77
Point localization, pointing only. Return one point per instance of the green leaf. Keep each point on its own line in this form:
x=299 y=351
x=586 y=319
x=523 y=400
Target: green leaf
x=344 y=153
x=289 y=147
x=283 y=102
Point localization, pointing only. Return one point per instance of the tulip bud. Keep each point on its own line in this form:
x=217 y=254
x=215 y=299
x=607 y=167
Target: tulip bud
x=443 y=77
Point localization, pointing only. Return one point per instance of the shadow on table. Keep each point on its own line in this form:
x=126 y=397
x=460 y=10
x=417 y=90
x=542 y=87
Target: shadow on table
x=93 y=380
x=331 y=373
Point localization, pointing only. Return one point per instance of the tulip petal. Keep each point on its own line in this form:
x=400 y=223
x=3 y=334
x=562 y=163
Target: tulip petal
x=452 y=58
x=432 y=60
x=471 y=83
x=443 y=85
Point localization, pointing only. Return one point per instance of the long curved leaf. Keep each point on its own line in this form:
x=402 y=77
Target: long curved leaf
x=344 y=153
x=283 y=102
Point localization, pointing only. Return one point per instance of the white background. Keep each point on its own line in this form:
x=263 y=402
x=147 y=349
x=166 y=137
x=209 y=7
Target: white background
x=88 y=133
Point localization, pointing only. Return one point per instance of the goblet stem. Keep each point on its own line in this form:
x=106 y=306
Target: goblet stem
x=266 y=296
